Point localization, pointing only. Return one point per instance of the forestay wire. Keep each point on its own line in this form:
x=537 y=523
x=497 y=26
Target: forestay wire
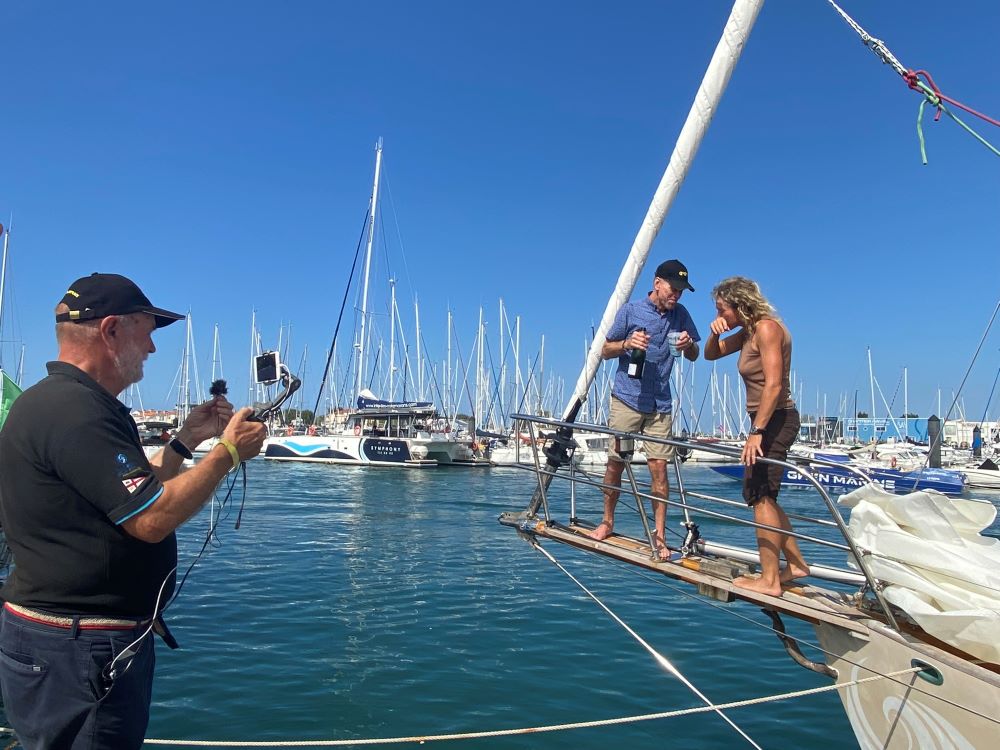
x=660 y=658
x=921 y=82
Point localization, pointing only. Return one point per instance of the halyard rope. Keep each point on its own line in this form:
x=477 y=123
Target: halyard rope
x=932 y=94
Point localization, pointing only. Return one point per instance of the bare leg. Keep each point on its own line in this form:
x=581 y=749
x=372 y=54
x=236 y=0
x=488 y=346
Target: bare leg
x=660 y=488
x=770 y=544
x=612 y=477
x=796 y=564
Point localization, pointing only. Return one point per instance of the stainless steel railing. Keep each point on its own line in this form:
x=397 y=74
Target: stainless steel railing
x=545 y=471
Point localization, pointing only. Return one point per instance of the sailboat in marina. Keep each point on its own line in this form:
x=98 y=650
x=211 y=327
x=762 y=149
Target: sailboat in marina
x=908 y=631
x=377 y=432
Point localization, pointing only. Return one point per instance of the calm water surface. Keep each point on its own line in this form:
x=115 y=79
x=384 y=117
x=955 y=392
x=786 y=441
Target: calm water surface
x=359 y=603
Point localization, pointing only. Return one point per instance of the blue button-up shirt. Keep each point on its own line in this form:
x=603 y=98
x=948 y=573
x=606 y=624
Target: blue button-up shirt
x=651 y=393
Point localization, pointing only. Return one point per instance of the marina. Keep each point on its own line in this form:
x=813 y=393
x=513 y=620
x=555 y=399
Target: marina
x=425 y=601
x=419 y=555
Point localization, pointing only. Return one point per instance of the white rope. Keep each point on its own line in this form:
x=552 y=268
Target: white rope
x=660 y=658
x=875 y=45
x=532 y=730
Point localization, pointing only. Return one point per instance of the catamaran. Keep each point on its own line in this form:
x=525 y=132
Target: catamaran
x=378 y=432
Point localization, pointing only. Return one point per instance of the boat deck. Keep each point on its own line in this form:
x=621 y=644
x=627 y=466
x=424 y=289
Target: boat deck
x=713 y=576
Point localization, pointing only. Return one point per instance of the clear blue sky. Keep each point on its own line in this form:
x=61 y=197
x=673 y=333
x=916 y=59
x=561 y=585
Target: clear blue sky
x=221 y=154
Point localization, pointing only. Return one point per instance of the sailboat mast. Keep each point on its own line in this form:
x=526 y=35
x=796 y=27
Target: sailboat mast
x=360 y=382
x=871 y=384
x=706 y=102
x=216 y=354
x=420 y=361
x=392 y=339
x=3 y=276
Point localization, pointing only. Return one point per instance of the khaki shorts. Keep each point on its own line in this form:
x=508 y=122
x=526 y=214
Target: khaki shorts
x=626 y=419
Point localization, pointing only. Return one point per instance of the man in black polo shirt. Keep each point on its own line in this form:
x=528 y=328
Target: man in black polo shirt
x=91 y=524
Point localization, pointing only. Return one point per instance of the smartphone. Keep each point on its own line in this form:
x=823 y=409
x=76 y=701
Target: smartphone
x=267 y=368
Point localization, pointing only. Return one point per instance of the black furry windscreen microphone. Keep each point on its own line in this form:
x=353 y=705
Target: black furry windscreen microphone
x=218 y=388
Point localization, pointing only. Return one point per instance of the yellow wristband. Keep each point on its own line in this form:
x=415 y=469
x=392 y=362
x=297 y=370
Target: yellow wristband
x=232 y=452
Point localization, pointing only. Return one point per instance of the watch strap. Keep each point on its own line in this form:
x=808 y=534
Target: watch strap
x=179 y=448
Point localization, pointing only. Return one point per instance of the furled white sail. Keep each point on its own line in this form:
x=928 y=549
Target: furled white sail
x=939 y=568
x=706 y=101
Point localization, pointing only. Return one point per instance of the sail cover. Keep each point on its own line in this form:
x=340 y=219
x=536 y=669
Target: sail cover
x=939 y=568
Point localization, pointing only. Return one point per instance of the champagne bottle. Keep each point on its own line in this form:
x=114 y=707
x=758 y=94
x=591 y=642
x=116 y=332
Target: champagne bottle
x=636 y=361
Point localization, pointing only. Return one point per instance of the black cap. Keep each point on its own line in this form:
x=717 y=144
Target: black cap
x=675 y=273
x=103 y=294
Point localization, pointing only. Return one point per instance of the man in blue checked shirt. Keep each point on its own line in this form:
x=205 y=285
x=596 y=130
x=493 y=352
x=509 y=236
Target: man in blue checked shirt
x=643 y=405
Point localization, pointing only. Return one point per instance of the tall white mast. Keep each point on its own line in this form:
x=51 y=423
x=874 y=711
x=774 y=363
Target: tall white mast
x=447 y=372
x=360 y=382
x=253 y=353
x=720 y=69
x=906 y=405
x=420 y=360
x=392 y=339
x=871 y=384
x=480 y=417
x=216 y=358
x=3 y=276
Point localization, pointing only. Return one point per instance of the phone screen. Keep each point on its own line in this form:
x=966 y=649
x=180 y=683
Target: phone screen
x=266 y=367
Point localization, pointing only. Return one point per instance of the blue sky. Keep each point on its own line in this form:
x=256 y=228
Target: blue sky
x=221 y=154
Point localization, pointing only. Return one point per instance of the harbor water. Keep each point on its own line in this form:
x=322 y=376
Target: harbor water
x=357 y=603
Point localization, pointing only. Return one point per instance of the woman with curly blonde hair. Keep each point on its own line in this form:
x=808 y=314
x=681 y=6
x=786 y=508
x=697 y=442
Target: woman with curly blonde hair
x=765 y=348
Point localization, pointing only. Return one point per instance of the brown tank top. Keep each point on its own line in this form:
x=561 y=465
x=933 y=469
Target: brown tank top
x=751 y=367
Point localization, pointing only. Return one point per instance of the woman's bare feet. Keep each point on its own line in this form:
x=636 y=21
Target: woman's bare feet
x=791 y=572
x=662 y=551
x=603 y=531
x=758 y=585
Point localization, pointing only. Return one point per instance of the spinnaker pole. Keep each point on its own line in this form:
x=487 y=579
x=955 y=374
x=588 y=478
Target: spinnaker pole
x=706 y=102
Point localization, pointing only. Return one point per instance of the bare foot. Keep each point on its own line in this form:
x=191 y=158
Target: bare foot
x=790 y=573
x=662 y=551
x=758 y=585
x=602 y=532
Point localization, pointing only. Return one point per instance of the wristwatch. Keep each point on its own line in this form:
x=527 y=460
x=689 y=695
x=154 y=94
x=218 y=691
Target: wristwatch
x=179 y=448
x=757 y=430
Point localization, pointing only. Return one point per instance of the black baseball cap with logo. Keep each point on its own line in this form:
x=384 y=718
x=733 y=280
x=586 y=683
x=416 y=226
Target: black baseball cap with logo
x=102 y=294
x=675 y=273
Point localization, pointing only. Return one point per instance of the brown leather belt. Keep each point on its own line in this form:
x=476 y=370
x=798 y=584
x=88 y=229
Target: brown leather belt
x=64 y=621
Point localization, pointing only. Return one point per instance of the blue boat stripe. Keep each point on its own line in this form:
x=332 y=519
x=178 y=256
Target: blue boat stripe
x=142 y=508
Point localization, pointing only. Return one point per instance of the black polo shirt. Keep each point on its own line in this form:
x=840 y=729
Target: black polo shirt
x=72 y=471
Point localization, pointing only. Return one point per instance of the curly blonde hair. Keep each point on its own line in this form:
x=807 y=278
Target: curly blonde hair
x=744 y=296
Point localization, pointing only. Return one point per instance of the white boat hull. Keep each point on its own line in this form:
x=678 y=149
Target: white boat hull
x=364 y=450
x=909 y=711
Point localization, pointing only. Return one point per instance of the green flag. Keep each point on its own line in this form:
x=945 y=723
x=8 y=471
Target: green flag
x=11 y=390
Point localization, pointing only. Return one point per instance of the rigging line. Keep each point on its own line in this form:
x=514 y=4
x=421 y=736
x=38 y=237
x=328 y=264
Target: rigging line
x=662 y=660
x=340 y=316
x=913 y=80
x=986 y=409
x=465 y=377
x=936 y=102
x=875 y=45
x=968 y=371
x=529 y=730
